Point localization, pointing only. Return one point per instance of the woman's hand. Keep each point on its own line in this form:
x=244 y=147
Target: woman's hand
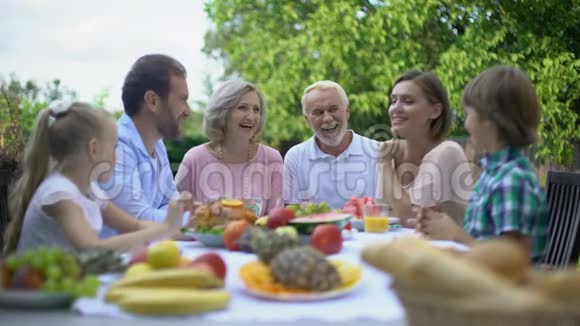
x=389 y=150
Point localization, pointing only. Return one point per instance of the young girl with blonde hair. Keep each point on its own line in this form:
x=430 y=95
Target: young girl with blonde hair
x=56 y=201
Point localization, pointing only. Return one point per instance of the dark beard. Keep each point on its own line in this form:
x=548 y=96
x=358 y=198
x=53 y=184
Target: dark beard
x=169 y=129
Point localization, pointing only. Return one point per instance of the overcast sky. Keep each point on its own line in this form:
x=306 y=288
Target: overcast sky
x=90 y=45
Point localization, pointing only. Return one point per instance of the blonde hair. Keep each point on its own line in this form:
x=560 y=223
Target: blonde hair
x=506 y=96
x=325 y=84
x=222 y=101
x=57 y=135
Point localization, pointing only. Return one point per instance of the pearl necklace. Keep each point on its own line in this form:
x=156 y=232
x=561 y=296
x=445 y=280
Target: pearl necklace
x=245 y=181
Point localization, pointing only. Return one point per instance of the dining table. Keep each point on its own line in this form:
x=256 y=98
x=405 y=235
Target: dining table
x=371 y=302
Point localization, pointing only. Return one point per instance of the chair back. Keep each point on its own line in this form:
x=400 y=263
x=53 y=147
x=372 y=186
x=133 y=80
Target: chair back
x=4 y=217
x=563 y=196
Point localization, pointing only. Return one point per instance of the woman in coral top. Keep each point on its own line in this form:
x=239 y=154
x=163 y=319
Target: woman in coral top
x=233 y=164
x=421 y=168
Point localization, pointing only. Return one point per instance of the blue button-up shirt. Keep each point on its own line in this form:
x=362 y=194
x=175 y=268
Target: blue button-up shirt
x=141 y=185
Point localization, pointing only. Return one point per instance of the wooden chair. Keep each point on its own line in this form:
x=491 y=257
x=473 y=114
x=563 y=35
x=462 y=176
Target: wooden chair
x=563 y=196
x=4 y=219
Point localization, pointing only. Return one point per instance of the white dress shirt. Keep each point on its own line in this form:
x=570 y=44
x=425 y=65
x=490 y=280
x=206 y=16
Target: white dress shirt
x=314 y=176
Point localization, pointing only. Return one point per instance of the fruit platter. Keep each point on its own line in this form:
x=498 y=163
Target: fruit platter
x=299 y=273
x=210 y=221
x=51 y=277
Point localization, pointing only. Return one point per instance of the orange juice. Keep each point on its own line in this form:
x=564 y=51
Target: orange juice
x=376 y=224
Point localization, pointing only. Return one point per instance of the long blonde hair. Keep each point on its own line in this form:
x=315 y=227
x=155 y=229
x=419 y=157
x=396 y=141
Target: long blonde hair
x=58 y=134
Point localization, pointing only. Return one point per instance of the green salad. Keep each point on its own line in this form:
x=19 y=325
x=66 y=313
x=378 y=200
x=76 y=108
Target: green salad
x=217 y=230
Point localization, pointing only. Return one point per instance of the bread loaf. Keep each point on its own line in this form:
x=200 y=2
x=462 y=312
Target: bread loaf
x=504 y=257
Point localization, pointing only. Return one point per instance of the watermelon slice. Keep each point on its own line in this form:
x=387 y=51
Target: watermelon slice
x=306 y=224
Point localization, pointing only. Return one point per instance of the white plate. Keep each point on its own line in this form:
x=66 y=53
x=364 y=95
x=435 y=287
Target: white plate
x=34 y=299
x=360 y=225
x=319 y=296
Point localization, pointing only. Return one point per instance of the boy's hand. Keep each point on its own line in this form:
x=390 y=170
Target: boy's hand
x=435 y=224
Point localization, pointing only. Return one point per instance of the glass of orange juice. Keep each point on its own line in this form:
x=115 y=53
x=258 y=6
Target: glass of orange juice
x=376 y=218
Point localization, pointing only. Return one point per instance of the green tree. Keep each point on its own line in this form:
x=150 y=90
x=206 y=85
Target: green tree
x=364 y=45
x=19 y=105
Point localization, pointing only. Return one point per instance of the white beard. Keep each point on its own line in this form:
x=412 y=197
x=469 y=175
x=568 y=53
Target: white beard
x=335 y=141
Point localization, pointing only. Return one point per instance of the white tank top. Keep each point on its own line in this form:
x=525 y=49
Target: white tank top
x=39 y=229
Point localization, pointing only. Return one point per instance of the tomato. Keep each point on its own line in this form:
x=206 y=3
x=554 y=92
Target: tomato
x=233 y=232
x=327 y=238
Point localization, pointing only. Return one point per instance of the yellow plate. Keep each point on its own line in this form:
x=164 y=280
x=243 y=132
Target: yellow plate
x=258 y=282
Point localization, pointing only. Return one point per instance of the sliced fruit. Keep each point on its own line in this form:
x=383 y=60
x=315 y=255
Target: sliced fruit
x=305 y=225
x=232 y=203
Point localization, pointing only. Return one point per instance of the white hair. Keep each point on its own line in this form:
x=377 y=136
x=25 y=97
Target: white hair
x=325 y=84
x=222 y=101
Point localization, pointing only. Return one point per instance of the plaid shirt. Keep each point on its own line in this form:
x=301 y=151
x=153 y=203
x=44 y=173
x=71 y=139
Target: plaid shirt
x=508 y=198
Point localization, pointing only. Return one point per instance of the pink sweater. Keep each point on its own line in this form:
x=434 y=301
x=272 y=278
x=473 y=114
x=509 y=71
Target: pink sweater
x=207 y=178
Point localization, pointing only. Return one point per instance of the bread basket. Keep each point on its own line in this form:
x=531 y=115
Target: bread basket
x=431 y=309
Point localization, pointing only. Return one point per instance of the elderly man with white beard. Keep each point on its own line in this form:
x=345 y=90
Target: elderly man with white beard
x=335 y=163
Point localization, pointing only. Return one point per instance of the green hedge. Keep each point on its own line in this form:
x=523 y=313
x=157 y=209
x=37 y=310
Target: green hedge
x=177 y=148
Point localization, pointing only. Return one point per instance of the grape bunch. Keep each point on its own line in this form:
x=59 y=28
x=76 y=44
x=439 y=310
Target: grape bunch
x=306 y=209
x=48 y=269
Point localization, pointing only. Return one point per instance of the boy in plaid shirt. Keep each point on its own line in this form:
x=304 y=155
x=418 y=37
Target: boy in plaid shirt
x=503 y=114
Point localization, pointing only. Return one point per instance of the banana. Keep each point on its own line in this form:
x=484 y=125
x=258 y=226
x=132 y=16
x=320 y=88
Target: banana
x=168 y=278
x=162 y=301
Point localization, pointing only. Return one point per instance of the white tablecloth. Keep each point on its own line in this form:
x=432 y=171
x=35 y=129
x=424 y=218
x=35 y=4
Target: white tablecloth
x=371 y=300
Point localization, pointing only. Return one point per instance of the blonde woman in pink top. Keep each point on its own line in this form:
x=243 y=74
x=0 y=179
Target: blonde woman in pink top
x=421 y=168
x=233 y=164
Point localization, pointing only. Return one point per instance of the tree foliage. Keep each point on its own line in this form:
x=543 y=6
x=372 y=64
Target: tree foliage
x=285 y=45
x=20 y=102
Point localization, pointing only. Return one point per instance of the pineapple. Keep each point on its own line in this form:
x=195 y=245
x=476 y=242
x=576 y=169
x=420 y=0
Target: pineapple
x=304 y=268
x=267 y=244
x=248 y=236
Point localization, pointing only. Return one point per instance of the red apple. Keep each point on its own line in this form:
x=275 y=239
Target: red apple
x=26 y=278
x=204 y=266
x=138 y=255
x=327 y=238
x=216 y=262
x=279 y=217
